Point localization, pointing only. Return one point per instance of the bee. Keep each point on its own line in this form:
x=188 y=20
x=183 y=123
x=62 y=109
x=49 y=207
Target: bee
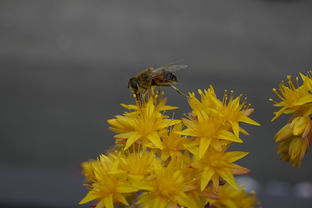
x=162 y=76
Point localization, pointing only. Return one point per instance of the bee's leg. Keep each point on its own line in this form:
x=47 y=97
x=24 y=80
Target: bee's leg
x=149 y=93
x=143 y=95
x=137 y=97
x=135 y=89
x=152 y=94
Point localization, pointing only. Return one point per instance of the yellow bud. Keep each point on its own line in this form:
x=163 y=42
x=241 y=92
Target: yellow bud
x=283 y=133
x=299 y=124
x=298 y=148
x=307 y=130
x=248 y=112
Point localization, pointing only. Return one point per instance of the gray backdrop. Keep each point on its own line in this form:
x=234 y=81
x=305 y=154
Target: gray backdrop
x=64 y=67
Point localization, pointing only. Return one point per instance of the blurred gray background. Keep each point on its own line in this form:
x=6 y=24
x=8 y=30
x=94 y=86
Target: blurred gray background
x=64 y=68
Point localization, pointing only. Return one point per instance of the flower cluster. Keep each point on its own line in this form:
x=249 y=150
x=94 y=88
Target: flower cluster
x=295 y=137
x=161 y=162
x=234 y=198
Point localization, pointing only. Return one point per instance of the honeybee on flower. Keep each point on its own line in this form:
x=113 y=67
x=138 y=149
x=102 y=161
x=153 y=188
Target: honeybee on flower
x=163 y=162
x=162 y=76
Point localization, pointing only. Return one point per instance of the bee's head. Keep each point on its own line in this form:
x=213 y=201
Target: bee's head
x=133 y=84
x=170 y=77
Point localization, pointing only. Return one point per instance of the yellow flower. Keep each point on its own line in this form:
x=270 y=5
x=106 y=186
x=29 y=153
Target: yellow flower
x=88 y=170
x=230 y=109
x=191 y=176
x=234 y=198
x=307 y=80
x=137 y=163
x=107 y=188
x=235 y=112
x=207 y=102
x=172 y=142
x=217 y=165
x=202 y=198
x=299 y=126
x=160 y=106
x=293 y=149
x=214 y=122
x=296 y=136
x=166 y=188
x=294 y=140
x=293 y=97
x=210 y=131
x=144 y=126
x=162 y=162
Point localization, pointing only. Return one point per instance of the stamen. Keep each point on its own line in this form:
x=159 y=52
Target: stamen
x=297 y=82
x=278 y=95
x=225 y=95
x=290 y=83
x=271 y=100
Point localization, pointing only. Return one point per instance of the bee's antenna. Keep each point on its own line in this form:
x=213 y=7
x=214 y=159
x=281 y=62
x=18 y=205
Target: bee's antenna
x=179 y=91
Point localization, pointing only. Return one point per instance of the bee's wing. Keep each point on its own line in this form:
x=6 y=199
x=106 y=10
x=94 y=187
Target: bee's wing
x=175 y=67
x=168 y=67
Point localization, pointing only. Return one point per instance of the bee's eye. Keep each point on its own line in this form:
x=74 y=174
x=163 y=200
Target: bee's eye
x=170 y=76
x=133 y=83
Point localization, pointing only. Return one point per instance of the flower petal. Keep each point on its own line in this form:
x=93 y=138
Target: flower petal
x=108 y=201
x=304 y=100
x=235 y=127
x=133 y=138
x=206 y=176
x=89 y=197
x=236 y=155
x=203 y=145
x=155 y=139
x=226 y=135
x=228 y=176
x=248 y=120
